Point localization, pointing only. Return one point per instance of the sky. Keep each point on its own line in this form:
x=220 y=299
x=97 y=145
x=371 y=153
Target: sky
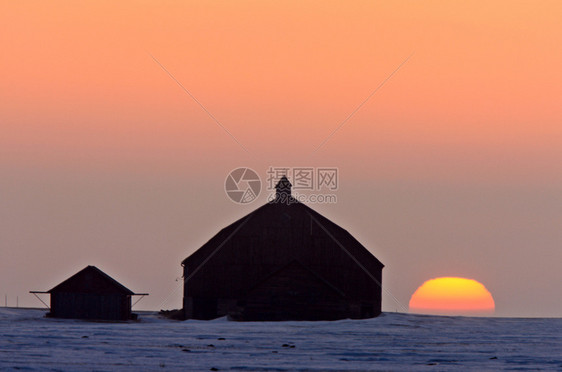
x=453 y=167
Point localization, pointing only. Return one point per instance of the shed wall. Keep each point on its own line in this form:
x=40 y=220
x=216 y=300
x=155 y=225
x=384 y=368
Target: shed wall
x=90 y=306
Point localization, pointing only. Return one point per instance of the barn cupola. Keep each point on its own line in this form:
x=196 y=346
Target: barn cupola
x=283 y=189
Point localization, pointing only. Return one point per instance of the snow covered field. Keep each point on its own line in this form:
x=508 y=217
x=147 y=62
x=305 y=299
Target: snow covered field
x=390 y=342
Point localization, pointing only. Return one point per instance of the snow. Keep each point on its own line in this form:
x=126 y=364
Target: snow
x=393 y=341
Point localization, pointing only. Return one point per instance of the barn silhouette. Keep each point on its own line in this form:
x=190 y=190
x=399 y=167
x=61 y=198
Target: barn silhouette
x=283 y=261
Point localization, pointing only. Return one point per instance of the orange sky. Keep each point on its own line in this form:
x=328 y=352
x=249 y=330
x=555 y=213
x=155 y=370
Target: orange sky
x=478 y=107
x=479 y=75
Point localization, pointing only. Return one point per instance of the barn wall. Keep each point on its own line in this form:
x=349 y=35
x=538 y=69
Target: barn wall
x=232 y=273
x=293 y=293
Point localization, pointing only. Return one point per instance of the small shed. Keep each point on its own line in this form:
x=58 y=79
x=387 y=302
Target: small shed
x=91 y=294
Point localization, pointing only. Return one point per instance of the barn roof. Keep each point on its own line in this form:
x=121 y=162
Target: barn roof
x=273 y=210
x=91 y=280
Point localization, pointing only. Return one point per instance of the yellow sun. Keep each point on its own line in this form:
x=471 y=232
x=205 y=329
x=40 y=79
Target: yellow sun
x=452 y=296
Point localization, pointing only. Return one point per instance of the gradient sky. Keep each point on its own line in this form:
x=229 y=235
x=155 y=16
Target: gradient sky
x=453 y=168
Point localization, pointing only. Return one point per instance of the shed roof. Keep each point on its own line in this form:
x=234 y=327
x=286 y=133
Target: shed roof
x=91 y=280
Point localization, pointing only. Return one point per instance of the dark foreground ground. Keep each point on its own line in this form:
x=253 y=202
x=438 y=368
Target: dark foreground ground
x=394 y=342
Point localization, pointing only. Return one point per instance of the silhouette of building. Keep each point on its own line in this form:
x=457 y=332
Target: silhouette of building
x=283 y=261
x=91 y=294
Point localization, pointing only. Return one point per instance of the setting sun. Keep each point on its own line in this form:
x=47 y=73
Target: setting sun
x=452 y=296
